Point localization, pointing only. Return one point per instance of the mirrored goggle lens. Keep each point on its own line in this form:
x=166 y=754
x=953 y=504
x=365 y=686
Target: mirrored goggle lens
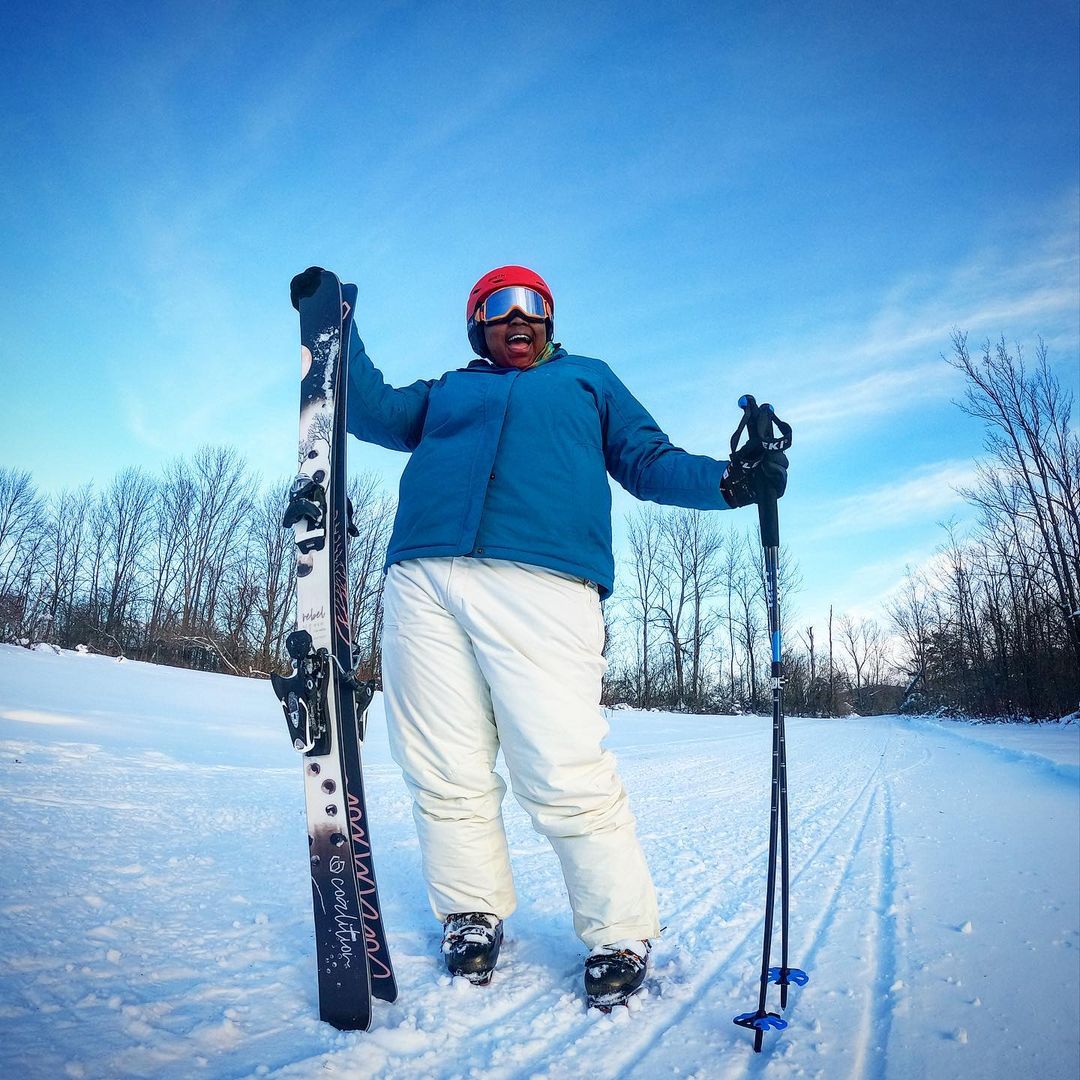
x=503 y=301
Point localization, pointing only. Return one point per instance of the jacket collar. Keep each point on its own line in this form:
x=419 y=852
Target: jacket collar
x=480 y=364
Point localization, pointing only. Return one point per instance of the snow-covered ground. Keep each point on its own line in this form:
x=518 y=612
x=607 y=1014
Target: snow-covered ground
x=155 y=909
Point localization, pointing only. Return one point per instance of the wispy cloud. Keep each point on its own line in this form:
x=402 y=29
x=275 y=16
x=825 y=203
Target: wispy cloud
x=871 y=396
x=888 y=361
x=923 y=495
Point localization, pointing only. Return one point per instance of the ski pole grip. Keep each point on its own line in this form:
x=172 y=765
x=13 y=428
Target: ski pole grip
x=769 y=521
x=768 y=517
x=758 y=421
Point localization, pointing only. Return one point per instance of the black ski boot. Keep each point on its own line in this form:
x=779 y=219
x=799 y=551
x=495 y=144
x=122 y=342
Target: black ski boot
x=471 y=943
x=615 y=972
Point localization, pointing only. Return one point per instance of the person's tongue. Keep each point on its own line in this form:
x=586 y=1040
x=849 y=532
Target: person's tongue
x=519 y=347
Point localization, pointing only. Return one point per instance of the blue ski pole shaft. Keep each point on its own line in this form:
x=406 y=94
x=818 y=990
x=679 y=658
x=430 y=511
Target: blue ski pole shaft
x=784 y=872
x=770 y=888
x=784 y=975
x=767 y=517
x=771 y=571
x=762 y=1019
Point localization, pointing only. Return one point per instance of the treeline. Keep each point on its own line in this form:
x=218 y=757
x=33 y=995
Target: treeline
x=189 y=567
x=687 y=627
x=992 y=626
x=192 y=567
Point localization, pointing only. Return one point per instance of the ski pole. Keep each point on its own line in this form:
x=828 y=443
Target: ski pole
x=757 y=421
x=770 y=540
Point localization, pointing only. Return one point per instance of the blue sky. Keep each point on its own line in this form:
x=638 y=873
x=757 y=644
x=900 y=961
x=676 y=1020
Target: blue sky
x=800 y=201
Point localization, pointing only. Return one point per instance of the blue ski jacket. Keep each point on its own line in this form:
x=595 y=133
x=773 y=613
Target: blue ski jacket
x=510 y=464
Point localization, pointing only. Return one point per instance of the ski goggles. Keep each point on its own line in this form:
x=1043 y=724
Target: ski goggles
x=503 y=302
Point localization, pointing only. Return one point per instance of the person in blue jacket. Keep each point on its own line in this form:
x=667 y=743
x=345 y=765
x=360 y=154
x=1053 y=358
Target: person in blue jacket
x=493 y=633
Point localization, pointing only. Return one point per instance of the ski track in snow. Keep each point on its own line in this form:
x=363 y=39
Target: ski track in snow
x=155 y=910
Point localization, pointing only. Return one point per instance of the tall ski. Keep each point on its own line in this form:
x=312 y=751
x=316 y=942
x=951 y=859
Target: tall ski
x=324 y=703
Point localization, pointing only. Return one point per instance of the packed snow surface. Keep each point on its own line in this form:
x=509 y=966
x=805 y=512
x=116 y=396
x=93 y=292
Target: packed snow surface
x=155 y=912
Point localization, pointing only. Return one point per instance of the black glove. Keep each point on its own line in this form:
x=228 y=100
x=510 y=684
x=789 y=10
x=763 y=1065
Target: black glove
x=304 y=285
x=754 y=473
x=757 y=471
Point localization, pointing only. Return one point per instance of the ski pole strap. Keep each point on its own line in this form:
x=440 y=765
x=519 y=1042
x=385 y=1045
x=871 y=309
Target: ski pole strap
x=758 y=422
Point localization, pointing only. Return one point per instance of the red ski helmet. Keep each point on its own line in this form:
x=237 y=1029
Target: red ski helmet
x=498 y=278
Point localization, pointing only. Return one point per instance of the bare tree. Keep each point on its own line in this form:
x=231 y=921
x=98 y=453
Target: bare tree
x=675 y=590
x=812 y=689
x=373 y=517
x=832 y=669
x=64 y=549
x=122 y=515
x=749 y=591
x=238 y=604
x=862 y=641
x=643 y=535
x=734 y=556
x=272 y=551
x=174 y=512
x=705 y=543
x=1035 y=475
x=221 y=501
x=912 y=617
x=22 y=522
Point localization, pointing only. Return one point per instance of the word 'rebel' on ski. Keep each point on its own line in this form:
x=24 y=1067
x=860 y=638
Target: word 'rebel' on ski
x=323 y=700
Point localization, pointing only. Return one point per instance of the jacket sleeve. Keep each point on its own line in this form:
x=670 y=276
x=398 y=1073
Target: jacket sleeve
x=643 y=460
x=382 y=414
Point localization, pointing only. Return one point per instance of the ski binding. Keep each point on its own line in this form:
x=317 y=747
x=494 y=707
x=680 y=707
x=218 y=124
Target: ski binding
x=307 y=504
x=303 y=694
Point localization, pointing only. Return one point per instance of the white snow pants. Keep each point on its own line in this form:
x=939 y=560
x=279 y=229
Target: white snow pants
x=483 y=653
